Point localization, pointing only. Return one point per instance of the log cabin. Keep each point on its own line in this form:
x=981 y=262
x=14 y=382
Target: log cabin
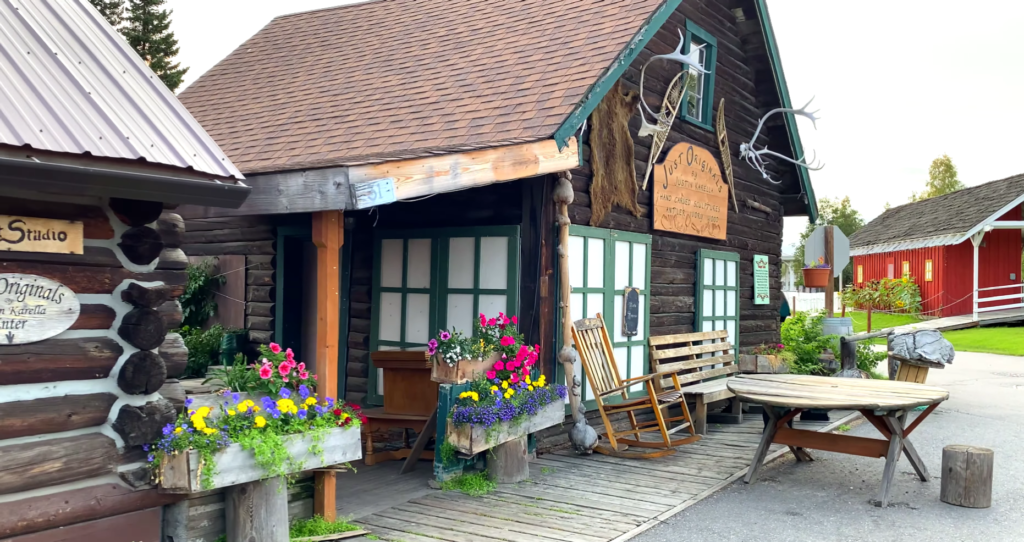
x=95 y=153
x=415 y=172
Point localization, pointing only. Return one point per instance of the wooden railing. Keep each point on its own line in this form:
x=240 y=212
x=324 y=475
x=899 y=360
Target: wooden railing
x=1015 y=300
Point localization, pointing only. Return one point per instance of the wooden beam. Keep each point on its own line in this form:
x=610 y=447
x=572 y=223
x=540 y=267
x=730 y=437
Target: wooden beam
x=328 y=236
x=419 y=177
x=302 y=191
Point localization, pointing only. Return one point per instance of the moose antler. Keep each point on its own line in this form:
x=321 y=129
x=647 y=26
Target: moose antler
x=690 y=60
x=753 y=156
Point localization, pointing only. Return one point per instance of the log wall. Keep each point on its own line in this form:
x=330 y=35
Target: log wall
x=75 y=409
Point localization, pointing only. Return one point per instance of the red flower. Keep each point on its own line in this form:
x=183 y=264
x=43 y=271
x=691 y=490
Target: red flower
x=362 y=418
x=356 y=407
x=337 y=412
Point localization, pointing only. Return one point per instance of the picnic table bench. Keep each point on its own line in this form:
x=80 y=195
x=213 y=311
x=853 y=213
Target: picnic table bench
x=698 y=361
x=883 y=403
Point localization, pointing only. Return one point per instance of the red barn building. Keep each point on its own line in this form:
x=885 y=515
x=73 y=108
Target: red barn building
x=961 y=249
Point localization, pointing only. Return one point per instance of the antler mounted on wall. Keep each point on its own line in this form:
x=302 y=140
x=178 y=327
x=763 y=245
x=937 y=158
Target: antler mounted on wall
x=755 y=157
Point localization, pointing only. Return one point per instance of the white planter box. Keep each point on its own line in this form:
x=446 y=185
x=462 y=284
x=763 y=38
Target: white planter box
x=180 y=473
x=473 y=439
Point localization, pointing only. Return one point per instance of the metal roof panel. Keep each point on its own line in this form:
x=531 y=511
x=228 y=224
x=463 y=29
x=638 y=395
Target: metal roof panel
x=70 y=83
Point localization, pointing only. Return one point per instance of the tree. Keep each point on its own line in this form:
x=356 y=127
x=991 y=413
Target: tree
x=832 y=212
x=942 y=179
x=148 y=31
x=111 y=10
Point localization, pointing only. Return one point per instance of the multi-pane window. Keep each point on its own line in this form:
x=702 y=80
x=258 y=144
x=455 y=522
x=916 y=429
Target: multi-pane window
x=427 y=280
x=906 y=269
x=860 y=274
x=700 y=86
x=718 y=293
x=602 y=265
x=928 y=270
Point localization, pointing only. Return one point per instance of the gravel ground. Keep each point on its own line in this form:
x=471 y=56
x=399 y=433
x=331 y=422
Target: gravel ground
x=829 y=499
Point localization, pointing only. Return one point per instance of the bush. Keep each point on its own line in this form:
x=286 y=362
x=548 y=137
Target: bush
x=804 y=339
x=197 y=303
x=203 y=348
x=901 y=295
x=868 y=358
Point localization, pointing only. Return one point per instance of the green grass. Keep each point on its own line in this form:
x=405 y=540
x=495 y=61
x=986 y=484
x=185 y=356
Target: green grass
x=843 y=428
x=318 y=526
x=879 y=320
x=474 y=485
x=1008 y=341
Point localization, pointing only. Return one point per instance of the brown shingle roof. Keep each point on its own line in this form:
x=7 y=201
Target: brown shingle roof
x=952 y=214
x=398 y=78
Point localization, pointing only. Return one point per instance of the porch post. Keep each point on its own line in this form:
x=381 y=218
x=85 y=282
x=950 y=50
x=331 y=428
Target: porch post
x=328 y=236
x=976 y=241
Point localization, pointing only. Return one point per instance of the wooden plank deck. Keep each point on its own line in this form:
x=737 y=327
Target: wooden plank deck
x=568 y=498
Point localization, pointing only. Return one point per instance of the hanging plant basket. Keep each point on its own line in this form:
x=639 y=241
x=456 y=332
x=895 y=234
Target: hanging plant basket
x=473 y=439
x=181 y=473
x=817 y=277
x=464 y=370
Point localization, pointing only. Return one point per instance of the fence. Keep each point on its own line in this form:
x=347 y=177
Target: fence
x=809 y=301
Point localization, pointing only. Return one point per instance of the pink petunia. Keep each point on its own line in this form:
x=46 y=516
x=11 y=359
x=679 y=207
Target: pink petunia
x=303 y=375
x=275 y=348
x=445 y=335
x=283 y=369
x=314 y=377
x=515 y=321
x=492 y=322
x=285 y=379
x=301 y=366
x=514 y=378
x=483 y=320
x=499 y=365
x=265 y=372
x=492 y=374
x=507 y=341
x=289 y=355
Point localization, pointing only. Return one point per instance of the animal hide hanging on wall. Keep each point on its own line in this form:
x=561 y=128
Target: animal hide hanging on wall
x=611 y=155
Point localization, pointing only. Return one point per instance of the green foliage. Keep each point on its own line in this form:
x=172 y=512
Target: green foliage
x=447 y=451
x=203 y=348
x=148 y=31
x=804 y=340
x=546 y=470
x=222 y=538
x=318 y=526
x=238 y=376
x=885 y=294
x=198 y=303
x=942 y=179
x=868 y=359
x=843 y=428
x=474 y=485
x=111 y=10
x=835 y=212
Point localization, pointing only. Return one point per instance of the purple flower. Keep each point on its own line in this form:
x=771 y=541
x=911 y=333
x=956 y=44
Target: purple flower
x=432 y=346
x=225 y=393
x=268 y=403
x=285 y=393
x=320 y=410
x=445 y=335
x=235 y=397
x=302 y=413
x=303 y=392
x=145 y=447
x=188 y=402
x=168 y=429
x=330 y=402
x=150 y=457
x=275 y=413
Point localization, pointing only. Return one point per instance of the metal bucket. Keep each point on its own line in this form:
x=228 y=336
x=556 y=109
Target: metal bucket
x=837 y=326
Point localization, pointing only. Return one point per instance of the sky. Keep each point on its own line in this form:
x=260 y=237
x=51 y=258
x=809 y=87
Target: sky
x=897 y=84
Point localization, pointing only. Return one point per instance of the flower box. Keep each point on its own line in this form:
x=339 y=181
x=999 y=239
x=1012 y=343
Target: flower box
x=180 y=473
x=464 y=370
x=473 y=439
x=760 y=364
x=817 y=277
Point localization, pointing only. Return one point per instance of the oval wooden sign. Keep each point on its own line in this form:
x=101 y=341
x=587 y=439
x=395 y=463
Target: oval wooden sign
x=34 y=308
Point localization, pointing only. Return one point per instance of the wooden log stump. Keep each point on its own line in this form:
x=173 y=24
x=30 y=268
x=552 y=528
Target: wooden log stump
x=141 y=245
x=143 y=328
x=508 y=463
x=135 y=212
x=144 y=424
x=257 y=511
x=149 y=297
x=967 y=476
x=143 y=373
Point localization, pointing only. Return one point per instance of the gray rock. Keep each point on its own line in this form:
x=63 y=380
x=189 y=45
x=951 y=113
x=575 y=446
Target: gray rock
x=925 y=345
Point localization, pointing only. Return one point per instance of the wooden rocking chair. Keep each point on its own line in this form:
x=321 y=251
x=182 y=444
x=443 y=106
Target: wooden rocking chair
x=595 y=350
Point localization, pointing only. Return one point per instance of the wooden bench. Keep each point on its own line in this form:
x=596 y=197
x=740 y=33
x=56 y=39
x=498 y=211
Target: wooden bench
x=693 y=359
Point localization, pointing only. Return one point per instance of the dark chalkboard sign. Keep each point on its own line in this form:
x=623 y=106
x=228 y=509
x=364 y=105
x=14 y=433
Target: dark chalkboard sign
x=631 y=312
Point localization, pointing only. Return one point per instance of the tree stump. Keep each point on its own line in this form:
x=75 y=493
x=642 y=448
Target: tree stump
x=508 y=463
x=967 y=476
x=257 y=511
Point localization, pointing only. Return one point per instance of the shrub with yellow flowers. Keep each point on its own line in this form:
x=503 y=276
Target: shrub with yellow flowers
x=262 y=426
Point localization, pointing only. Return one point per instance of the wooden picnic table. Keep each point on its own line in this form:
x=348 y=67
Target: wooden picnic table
x=883 y=403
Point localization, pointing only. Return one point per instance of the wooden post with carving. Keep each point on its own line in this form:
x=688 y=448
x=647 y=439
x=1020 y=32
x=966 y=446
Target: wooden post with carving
x=563 y=196
x=328 y=236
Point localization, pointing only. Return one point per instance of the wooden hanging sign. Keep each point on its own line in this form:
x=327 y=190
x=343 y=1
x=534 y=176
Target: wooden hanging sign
x=27 y=234
x=689 y=194
x=34 y=308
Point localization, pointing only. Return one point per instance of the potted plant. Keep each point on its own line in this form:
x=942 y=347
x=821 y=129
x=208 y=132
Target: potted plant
x=766 y=359
x=268 y=423
x=817 y=274
x=459 y=359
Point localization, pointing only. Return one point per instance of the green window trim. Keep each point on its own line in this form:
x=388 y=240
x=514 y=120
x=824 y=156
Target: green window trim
x=438 y=290
x=694 y=32
x=699 y=318
x=608 y=291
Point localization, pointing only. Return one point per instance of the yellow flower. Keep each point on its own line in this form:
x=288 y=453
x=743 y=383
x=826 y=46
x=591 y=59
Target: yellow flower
x=260 y=421
x=209 y=431
x=527 y=379
x=494 y=388
x=242 y=407
x=311 y=401
x=530 y=388
x=203 y=412
x=511 y=391
x=285 y=405
x=231 y=413
x=904 y=280
x=474 y=395
x=504 y=384
x=256 y=408
x=178 y=430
